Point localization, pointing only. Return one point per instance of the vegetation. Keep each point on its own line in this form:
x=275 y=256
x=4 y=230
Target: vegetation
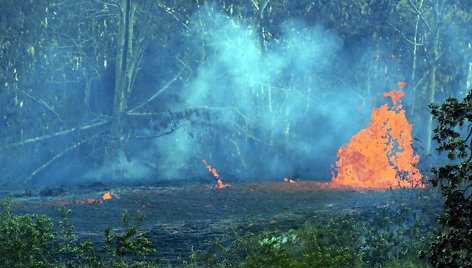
x=392 y=237
x=347 y=241
x=453 y=133
x=86 y=84
x=31 y=241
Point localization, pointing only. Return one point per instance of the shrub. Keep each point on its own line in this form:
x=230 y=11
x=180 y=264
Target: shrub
x=30 y=241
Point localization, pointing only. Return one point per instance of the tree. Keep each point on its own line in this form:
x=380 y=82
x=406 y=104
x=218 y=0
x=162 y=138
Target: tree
x=434 y=32
x=452 y=247
x=55 y=79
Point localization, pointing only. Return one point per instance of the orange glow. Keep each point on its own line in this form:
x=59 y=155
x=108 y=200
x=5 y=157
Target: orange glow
x=219 y=183
x=289 y=180
x=106 y=196
x=396 y=97
x=87 y=201
x=401 y=84
x=380 y=155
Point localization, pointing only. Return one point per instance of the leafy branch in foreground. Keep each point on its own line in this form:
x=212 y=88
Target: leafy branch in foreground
x=25 y=240
x=30 y=240
x=452 y=247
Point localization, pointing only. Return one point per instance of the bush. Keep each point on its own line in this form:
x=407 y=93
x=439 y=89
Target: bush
x=25 y=240
x=30 y=241
x=453 y=245
x=347 y=241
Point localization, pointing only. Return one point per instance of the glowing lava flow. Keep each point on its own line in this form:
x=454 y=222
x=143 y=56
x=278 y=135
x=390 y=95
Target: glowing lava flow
x=106 y=196
x=289 y=180
x=380 y=155
x=219 y=183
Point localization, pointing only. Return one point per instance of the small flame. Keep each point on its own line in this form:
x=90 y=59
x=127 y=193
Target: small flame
x=401 y=84
x=289 y=180
x=219 y=183
x=106 y=196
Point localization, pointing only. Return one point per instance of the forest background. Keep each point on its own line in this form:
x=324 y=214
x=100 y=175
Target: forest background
x=135 y=91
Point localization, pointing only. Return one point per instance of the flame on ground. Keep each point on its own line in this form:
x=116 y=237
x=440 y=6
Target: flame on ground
x=105 y=196
x=380 y=155
x=219 y=183
x=289 y=180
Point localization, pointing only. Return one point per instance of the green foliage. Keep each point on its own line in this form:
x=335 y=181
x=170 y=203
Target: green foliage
x=127 y=244
x=30 y=241
x=71 y=252
x=347 y=241
x=452 y=247
x=25 y=240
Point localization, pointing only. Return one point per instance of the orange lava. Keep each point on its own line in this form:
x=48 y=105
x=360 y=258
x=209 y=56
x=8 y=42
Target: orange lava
x=219 y=183
x=380 y=155
x=401 y=84
x=87 y=201
x=289 y=180
x=106 y=196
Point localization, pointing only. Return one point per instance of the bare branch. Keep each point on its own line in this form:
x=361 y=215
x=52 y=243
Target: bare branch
x=174 y=128
x=420 y=14
x=42 y=102
x=60 y=133
x=263 y=7
x=426 y=74
x=403 y=35
x=256 y=5
x=57 y=156
x=159 y=92
x=172 y=13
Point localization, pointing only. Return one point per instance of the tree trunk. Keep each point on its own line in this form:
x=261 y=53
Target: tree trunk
x=432 y=86
x=122 y=85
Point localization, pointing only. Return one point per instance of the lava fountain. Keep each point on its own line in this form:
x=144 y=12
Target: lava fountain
x=380 y=156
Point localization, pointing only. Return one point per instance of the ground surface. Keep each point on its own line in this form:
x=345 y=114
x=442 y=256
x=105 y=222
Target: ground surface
x=182 y=217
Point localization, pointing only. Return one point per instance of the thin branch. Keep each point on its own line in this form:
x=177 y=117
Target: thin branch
x=159 y=92
x=404 y=37
x=263 y=8
x=174 y=128
x=171 y=12
x=256 y=5
x=57 y=156
x=60 y=133
x=420 y=14
x=44 y=103
x=427 y=73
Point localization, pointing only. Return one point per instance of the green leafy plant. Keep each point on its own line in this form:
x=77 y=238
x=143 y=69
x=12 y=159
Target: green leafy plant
x=129 y=244
x=25 y=240
x=341 y=241
x=70 y=251
x=452 y=247
x=30 y=240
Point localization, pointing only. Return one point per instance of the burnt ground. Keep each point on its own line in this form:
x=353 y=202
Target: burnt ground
x=182 y=217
